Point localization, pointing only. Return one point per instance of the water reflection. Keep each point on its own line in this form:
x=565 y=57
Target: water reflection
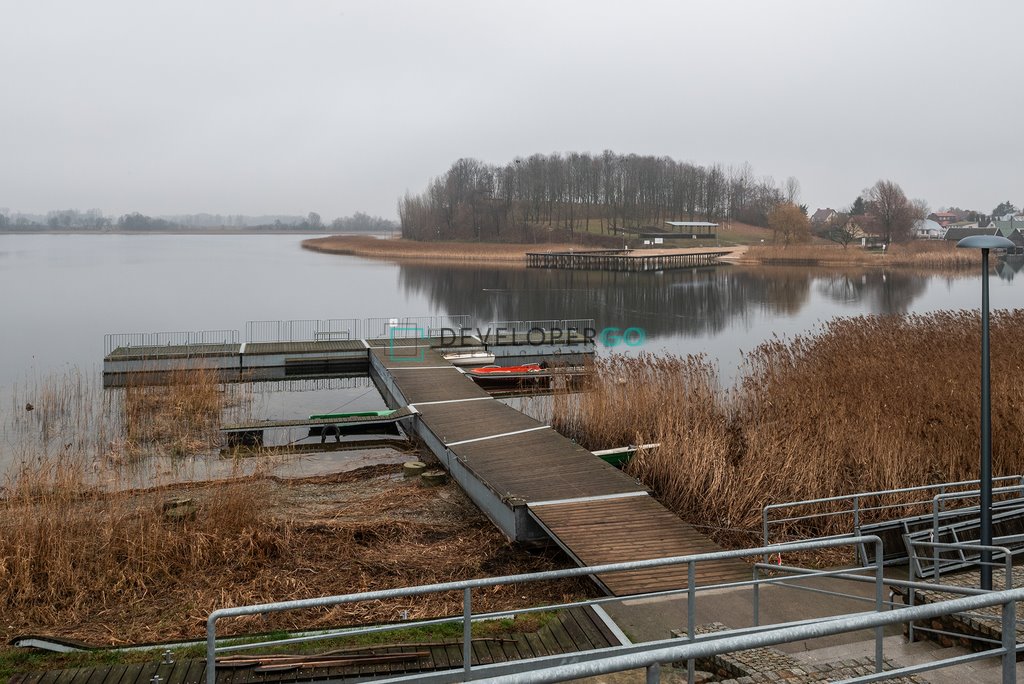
x=1010 y=266
x=691 y=302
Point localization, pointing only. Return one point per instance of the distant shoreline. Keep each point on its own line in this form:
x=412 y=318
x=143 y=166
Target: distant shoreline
x=183 y=231
x=411 y=250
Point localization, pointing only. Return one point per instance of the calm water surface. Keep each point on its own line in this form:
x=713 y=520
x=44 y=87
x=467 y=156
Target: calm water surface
x=62 y=293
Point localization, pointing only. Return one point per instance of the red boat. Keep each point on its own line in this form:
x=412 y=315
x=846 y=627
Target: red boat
x=495 y=371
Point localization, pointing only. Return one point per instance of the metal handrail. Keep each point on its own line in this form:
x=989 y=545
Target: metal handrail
x=651 y=659
x=856 y=507
x=1007 y=563
x=466 y=586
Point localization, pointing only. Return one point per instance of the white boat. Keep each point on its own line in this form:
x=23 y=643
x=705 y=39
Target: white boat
x=469 y=358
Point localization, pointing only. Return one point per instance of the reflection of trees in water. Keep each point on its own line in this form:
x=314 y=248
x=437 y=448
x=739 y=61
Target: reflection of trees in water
x=884 y=292
x=689 y=302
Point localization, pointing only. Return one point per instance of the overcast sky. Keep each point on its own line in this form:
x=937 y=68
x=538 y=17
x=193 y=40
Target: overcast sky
x=250 y=106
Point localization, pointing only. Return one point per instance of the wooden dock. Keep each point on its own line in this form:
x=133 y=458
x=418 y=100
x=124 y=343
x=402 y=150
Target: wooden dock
x=238 y=362
x=535 y=484
x=624 y=260
x=570 y=631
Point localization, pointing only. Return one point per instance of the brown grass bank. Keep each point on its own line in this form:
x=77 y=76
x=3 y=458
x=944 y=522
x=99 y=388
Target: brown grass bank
x=363 y=246
x=917 y=254
x=95 y=543
x=115 y=568
x=864 y=404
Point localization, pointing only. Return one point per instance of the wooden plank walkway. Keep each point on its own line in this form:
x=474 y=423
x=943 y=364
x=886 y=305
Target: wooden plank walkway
x=596 y=532
x=571 y=631
x=508 y=461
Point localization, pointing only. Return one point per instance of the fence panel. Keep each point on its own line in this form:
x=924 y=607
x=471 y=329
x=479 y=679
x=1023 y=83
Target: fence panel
x=413 y=326
x=168 y=338
x=302 y=330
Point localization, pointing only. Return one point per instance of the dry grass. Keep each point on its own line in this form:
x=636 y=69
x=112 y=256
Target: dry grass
x=917 y=254
x=363 y=246
x=864 y=404
x=112 y=567
x=90 y=550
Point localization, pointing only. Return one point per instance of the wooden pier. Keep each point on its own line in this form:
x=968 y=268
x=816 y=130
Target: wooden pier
x=624 y=260
x=281 y=360
x=569 y=631
x=535 y=484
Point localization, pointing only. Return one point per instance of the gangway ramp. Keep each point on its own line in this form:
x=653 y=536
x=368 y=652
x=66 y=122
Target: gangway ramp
x=533 y=483
x=601 y=530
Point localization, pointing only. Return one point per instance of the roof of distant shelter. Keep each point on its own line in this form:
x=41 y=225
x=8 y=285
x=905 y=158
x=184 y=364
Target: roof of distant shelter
x=692 y=224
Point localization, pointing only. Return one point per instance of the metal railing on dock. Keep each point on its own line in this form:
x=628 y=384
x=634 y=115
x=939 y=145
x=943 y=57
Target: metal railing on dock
x=182 y=338
x=395 y=327
x=308 y=330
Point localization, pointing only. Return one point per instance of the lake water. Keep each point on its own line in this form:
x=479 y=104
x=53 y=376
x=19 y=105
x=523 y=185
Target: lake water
x=62 y=293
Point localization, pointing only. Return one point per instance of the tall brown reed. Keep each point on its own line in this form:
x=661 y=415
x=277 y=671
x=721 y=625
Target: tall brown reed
x=920 y=254
x=864 y=404
x=183 y=413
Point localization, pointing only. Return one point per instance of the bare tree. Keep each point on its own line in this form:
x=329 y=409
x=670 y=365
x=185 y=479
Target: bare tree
x=792 y=190
x=894 y=212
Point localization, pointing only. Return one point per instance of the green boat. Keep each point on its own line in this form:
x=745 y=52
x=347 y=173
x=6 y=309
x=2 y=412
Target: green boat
x=620 y=456
x=356 y=414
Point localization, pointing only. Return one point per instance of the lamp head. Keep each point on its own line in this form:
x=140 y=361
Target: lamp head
x=986 y=242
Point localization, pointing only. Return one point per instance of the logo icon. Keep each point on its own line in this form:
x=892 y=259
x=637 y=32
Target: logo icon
x=403 y=343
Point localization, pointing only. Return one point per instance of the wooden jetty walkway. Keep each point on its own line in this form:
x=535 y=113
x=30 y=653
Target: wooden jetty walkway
x=535 y=484
x=624 y=260
x=570 y=631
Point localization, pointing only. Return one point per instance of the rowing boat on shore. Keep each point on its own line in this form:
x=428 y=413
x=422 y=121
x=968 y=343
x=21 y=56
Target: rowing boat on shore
x=473 y=358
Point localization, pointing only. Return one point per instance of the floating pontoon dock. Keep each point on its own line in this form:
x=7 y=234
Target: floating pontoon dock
x=623 y=260
x=535 y=484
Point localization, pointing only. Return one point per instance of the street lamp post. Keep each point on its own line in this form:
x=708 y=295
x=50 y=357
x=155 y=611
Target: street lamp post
x=985 y=243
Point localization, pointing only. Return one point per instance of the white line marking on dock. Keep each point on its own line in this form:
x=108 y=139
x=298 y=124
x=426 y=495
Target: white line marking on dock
x=420 y=368
x=241 y=350
x=584 y=499
x=450 y=401
x=366 y=345
x=504 y=434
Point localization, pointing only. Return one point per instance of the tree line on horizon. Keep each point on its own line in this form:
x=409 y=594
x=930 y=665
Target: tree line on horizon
x=555 y=193
x=95 y=220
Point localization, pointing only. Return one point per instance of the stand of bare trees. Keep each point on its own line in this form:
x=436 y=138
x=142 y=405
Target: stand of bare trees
x=562 y=195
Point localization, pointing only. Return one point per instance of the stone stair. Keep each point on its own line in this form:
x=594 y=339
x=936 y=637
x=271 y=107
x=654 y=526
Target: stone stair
x=899 y=653
x=769 y=665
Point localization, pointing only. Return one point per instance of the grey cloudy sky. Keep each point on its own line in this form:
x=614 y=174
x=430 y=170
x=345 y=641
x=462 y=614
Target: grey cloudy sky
x=251 y=106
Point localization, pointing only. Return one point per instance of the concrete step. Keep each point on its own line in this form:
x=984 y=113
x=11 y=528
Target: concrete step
x=900 y=653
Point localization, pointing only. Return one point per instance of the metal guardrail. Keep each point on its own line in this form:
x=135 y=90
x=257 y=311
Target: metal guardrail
x=957 y=554
x=467 y=587
x=856 y=506
x=114 y=341
x=396 y=327
x=577 y=324
x=651 y=659
x=302 y=330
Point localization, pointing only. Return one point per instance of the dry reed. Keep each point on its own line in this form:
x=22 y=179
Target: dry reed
x=917 y=254
x=864 y=404
x=183 y=413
